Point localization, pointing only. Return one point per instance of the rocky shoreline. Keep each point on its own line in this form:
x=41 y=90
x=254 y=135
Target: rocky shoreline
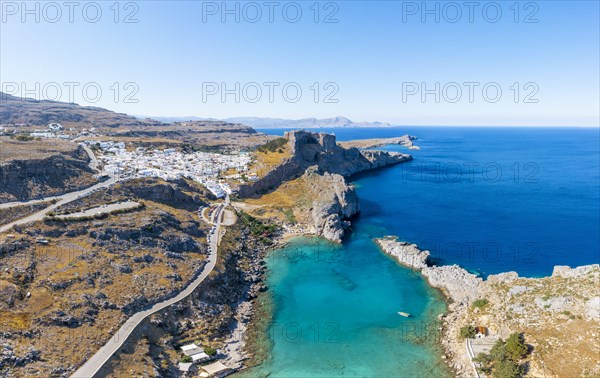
x=462 y=289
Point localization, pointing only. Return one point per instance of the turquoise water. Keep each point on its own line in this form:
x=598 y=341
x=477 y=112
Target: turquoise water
x=336 y=314
x=530 y=201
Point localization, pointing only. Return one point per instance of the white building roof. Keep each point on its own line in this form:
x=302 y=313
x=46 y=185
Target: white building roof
x=199 y=357
x=186 y=366
x=214 y=368
x=191 y=349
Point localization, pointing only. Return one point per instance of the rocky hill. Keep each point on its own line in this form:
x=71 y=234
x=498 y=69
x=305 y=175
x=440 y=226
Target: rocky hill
x=558 y=315
x=218 y=314
x=208 y=135
x=17 y=110
x=66 y=285
x=32 y=169
x=320 y=149
x=305 y=188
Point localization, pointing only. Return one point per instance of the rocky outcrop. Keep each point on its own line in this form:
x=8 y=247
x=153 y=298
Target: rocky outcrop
x=320 y=149
x=404 y=140
x=568 y=272
x=407 y=254
x=335 y=203
x=458 y=284
x=62 y=172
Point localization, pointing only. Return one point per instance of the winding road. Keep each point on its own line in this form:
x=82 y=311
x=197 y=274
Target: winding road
x=63 y=199
x=93 y=365
x=60 y=199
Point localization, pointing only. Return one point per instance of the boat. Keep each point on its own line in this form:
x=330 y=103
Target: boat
x=405 y=314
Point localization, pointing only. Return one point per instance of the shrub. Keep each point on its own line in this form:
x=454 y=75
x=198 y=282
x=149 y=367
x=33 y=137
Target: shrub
x=468 y=332
x=486 y=363
x=508 y=369
x=210 y=351
x=498 y=351
x=480 y=303
x=258 y=228
x=273 y=145
x=24 y=138
x=289 y=214
x=515 y=346
x=503 y=359
x=186 y=359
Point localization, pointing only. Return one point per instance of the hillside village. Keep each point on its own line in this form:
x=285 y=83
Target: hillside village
x=170 y=164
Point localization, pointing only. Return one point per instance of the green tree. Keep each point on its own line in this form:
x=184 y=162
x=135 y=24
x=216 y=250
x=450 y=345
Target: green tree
x=515 y=346
x=508 y=369
x=485 y=361
x=210 y=351
x=186 y=359
x=468 y=332
x=498 y=351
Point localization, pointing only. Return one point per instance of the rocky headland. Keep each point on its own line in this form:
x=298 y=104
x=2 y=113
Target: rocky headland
x=404 y=140
x=308 y=190
x=320 y=149
x=559 y=315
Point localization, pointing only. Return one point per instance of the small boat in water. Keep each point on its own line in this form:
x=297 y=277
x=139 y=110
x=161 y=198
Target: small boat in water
x=405 y=314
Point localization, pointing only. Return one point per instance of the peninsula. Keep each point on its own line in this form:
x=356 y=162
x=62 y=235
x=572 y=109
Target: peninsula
x=552 y=313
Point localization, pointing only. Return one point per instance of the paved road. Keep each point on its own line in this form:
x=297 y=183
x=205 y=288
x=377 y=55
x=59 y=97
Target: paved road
x=103 y=209
x=64 y=199
x=97 y=361
x=93 y=160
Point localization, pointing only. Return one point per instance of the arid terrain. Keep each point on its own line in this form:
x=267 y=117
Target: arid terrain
x=67 y=284
x=31 y=169
x=558 y=316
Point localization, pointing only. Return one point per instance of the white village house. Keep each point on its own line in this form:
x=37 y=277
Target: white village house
x=195 y=352
x=214 y=370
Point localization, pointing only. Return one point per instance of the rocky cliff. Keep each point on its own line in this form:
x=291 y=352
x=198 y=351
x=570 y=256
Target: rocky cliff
x=320 y=149
x=33 y=175
x=458 y=284
x=335 y=202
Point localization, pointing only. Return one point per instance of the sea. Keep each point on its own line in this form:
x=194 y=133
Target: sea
x=488 y=199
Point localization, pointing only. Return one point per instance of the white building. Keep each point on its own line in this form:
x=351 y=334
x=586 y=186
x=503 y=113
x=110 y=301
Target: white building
x=191 y=349
x=216 y=369
x=55 y=126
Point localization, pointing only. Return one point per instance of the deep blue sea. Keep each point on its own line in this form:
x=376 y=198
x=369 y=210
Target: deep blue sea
x=489 y=199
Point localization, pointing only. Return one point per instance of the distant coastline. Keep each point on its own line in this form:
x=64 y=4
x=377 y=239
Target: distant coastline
x=279 y=123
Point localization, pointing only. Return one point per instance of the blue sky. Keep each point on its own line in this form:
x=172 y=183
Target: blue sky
x=372 y=60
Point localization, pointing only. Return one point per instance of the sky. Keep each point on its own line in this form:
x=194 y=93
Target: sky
x=403 y=62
